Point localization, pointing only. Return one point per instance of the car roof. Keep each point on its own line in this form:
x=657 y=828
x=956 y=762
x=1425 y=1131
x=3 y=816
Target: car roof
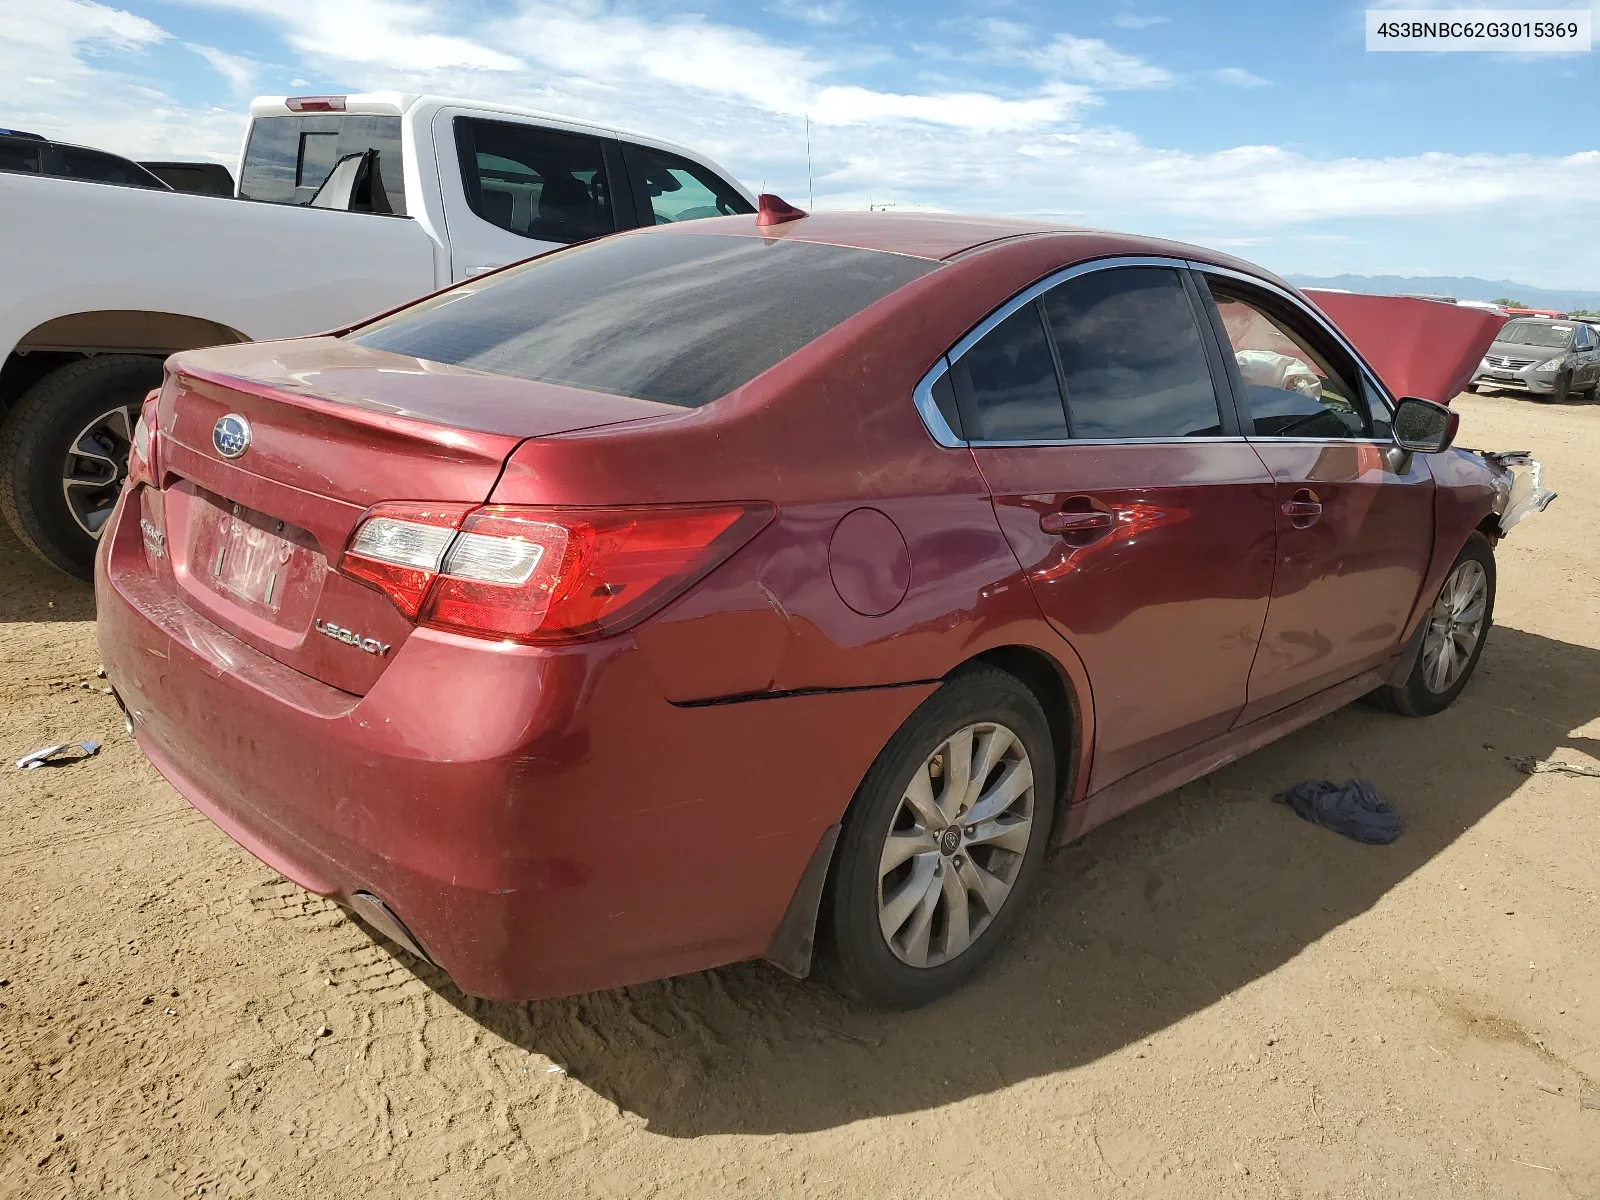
x=944 y=236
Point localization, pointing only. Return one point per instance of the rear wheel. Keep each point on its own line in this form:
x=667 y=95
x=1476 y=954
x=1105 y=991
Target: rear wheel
x=1454 y=631
x=942 y=842
x=64 y=454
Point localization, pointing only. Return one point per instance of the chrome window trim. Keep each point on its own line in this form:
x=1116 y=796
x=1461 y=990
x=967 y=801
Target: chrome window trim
x=939 y=429
x=1157 y=441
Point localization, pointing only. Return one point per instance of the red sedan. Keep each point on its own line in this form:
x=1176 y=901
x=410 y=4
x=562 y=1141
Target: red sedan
x=685 y=596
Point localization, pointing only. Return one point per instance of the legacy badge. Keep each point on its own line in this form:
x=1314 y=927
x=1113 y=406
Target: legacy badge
x=351 y=638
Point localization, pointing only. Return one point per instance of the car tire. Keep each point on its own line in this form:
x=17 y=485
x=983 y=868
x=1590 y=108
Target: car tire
x=872 y=940
x=1473 y=388
x=1428 y=689
x=1563 y=388
x=91 y=403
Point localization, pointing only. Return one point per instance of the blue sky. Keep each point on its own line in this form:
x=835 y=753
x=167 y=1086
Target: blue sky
x=1265 y=129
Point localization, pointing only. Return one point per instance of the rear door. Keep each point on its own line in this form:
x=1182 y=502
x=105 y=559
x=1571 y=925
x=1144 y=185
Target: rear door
x=1354 y=513
x=513 y=189
x=1142 y=519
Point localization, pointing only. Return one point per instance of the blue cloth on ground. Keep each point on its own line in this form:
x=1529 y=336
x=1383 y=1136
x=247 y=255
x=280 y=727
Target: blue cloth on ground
x=1353 y=808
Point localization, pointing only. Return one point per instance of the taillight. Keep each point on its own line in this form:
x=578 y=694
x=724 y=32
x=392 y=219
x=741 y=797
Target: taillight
x=142 y=452
x=539 y=575
x=398 y=547
x=311 y=104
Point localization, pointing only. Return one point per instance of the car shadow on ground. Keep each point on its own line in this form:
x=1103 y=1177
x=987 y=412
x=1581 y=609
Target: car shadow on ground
x=32 y=590
x=1141 y=924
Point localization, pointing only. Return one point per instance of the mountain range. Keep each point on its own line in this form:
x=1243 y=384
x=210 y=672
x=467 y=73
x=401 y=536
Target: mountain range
x=1462 y=287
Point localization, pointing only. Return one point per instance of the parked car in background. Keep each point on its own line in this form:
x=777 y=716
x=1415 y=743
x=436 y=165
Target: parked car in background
x=1543 y=358
x=360 y=204
x=1550 y=313
x=200 y=178
x=24 y=153
x=577 y=631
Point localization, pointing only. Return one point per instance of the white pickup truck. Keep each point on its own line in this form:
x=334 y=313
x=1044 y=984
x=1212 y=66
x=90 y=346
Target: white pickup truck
x=345 y=206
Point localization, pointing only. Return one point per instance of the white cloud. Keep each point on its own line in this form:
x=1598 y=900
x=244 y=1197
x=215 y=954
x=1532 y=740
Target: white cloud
x=1067 y=56
x=240 y=72
x=1128 y=20
x=816 y=12
x=1239 y=77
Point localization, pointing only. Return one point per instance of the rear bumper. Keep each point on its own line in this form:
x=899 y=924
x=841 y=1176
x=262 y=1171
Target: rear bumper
x=543 y=822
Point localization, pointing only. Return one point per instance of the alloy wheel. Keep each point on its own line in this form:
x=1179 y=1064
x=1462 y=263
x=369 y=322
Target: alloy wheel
x=95 y=466
x=956 y=844
x=1455 y=623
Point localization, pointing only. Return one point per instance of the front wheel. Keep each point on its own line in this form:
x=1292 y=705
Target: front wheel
x=942 y=842
x=1454 y=631
x=1563 y=388
x=64 y=454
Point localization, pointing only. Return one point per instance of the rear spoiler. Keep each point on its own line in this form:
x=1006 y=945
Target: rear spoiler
x=1418 y=347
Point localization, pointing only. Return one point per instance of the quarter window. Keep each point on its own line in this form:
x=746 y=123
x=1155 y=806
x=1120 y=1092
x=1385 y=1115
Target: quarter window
x=1006 y=383
x=537 y=183
x=1131 y=356
x=1292 y=387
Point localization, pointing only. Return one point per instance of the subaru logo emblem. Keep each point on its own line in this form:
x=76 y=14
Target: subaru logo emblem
x=231 y=435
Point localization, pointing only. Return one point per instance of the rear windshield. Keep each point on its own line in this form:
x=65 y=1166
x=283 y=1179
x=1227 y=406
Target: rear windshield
x=679 y=319
x=1536 y=333
x=288 y=158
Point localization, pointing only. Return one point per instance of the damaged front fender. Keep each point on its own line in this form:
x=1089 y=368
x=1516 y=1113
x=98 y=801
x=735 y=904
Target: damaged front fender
x=1519 y=486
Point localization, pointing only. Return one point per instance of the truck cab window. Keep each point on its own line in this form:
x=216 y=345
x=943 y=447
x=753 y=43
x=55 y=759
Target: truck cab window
x=676 y=189
x=536 y=183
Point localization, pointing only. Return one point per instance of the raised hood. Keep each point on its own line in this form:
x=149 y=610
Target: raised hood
x=252 y=541
x=1418 y=347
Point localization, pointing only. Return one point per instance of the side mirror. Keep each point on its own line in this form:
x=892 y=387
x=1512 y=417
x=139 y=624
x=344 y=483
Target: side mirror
x=1423 y=427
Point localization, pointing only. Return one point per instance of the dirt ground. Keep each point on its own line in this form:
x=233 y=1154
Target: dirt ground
x=1209 y=998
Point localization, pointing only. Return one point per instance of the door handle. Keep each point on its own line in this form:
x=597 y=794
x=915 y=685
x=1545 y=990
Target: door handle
x=1304 y=509
x=1076 y=522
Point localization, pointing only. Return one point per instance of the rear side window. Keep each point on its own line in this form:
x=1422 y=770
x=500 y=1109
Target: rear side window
x=1131 y=356
x=676 y=319
x=537 y=183
x=288 y=158
x=1007 y=383
x=96 y=166
x=679 y=190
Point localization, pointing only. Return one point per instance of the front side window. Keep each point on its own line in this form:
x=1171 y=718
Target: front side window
x=680 y=190
x=1131 y=356
x=288 y=159
x=533 y=182
x=1292 y=387
x=676 y=318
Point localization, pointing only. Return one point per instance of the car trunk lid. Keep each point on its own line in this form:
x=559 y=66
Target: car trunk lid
x=255 y=534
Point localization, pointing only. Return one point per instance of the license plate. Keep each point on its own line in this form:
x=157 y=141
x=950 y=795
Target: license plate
x=243 y=560
x=1506 y=375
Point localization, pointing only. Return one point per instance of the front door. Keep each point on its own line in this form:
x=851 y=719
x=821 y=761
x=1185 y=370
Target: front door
x=1142 y=520
x=1354 y=513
